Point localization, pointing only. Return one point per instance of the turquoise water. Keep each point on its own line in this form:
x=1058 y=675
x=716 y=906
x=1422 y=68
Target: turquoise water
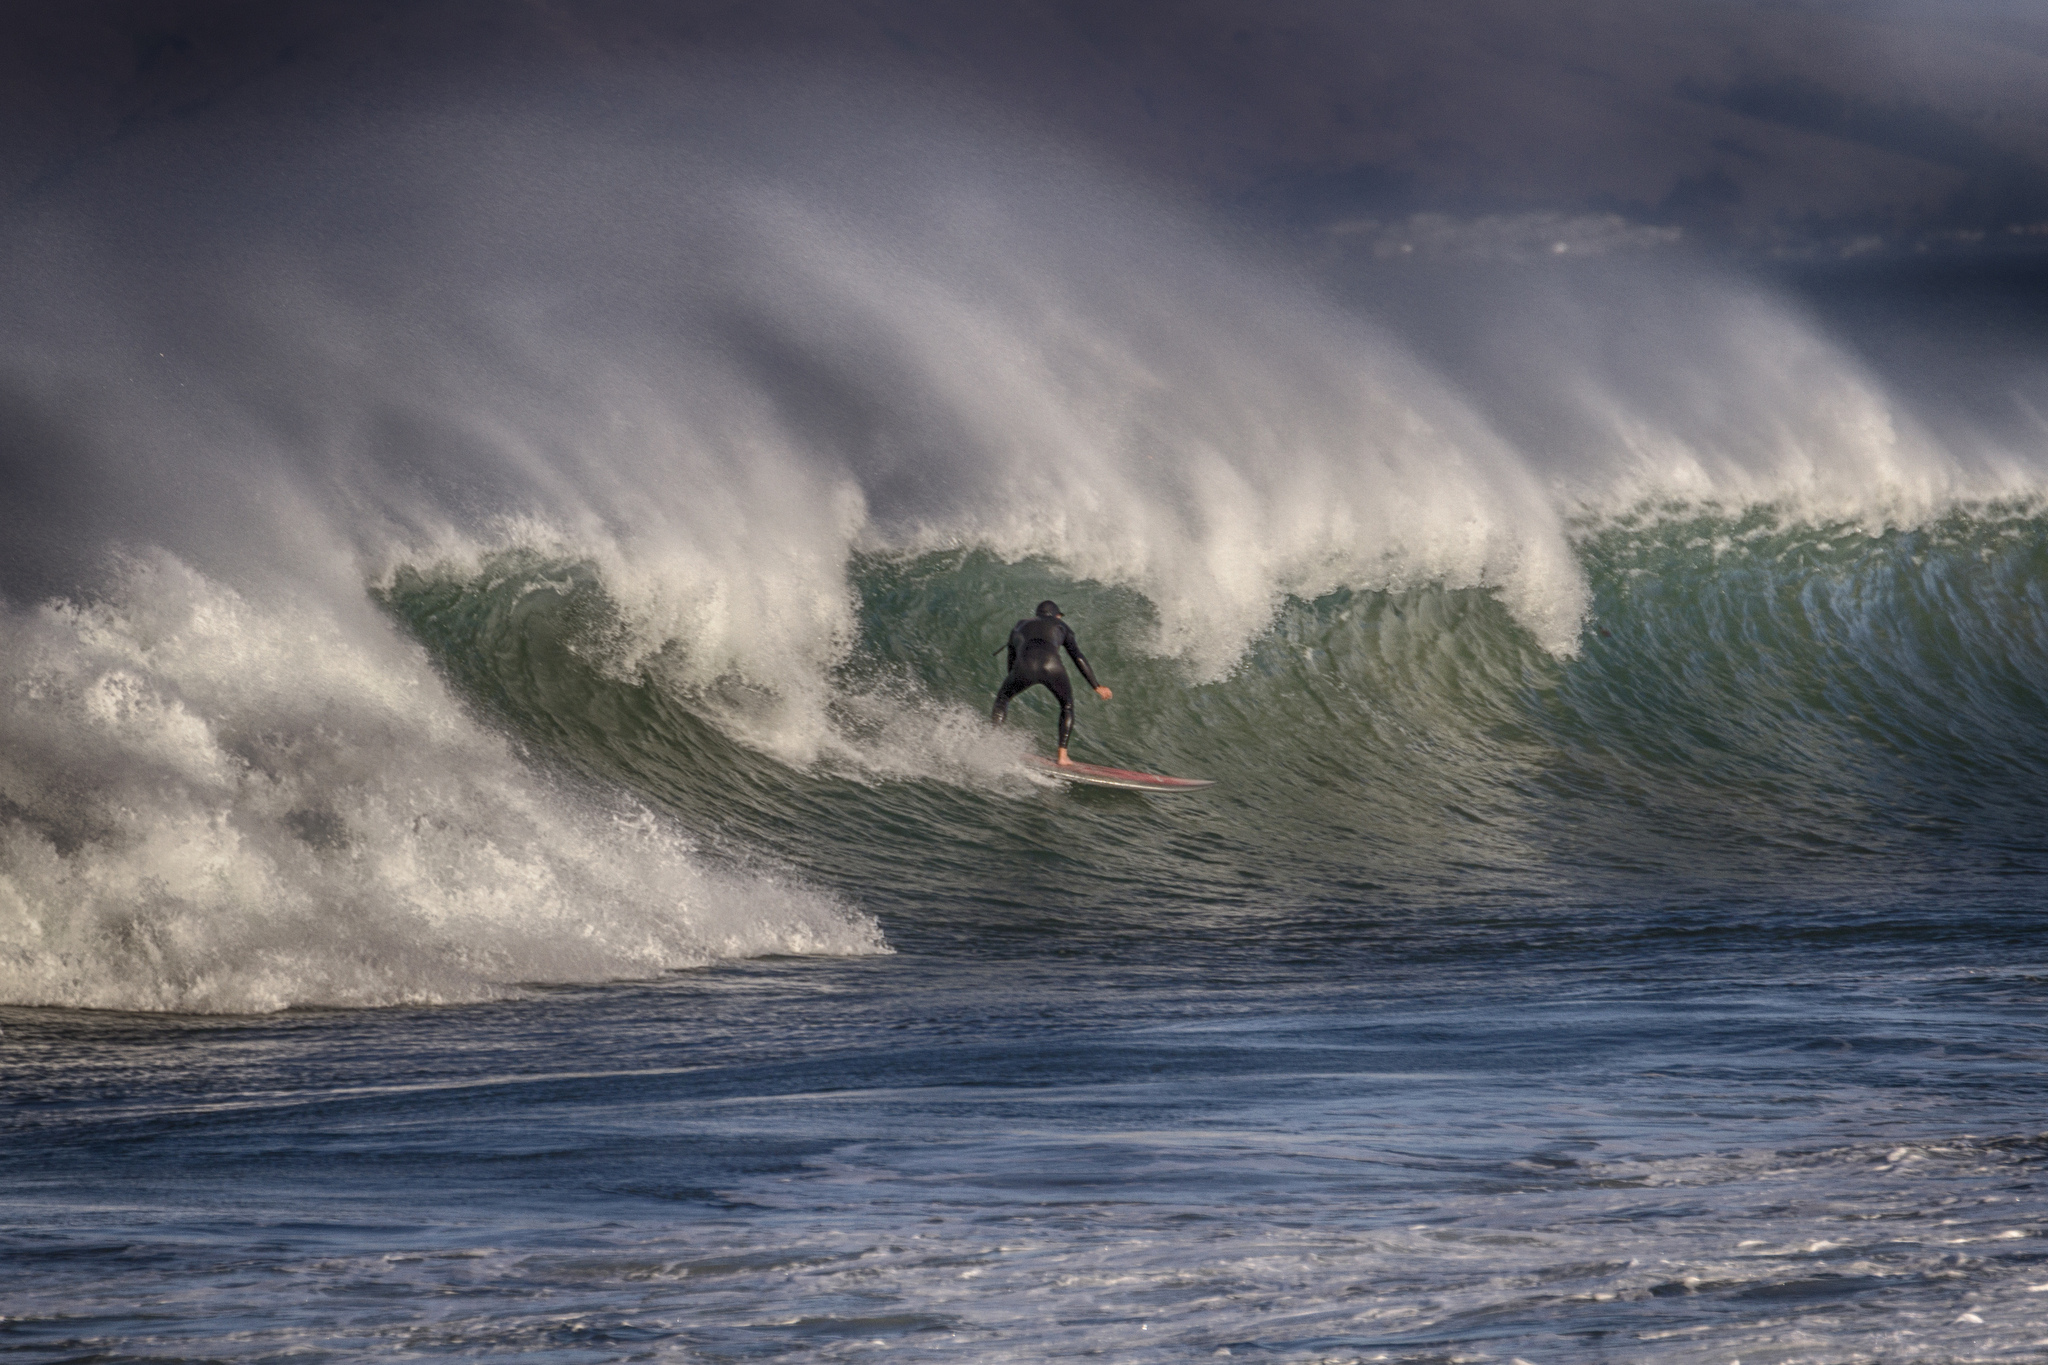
x=1754 y=703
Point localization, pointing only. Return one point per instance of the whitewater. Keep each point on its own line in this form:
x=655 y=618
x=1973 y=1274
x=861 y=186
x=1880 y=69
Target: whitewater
x=502 y=855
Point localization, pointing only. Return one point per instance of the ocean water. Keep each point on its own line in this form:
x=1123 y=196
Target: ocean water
x=501 y=856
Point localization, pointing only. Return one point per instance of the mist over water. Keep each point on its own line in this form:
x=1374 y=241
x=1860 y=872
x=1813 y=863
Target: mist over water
x=694 y=356
x=466 y=549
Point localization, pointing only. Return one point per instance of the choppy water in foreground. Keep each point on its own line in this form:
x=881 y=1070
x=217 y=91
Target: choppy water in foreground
x=1692 y=1144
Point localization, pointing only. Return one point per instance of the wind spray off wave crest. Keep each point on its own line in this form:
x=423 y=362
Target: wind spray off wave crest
x=1058 y=373
x=789 y=340
x=218 y=805
x=805 y=330
x=1031 y=363
x=973 y=377
x=889 y=348
x=1695 y=390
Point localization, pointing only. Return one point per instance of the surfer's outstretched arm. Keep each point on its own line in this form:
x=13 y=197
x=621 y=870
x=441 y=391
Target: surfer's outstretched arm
x=1073 y=647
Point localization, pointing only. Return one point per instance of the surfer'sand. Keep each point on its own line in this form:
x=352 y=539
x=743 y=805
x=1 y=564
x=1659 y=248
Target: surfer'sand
x=1035 y=645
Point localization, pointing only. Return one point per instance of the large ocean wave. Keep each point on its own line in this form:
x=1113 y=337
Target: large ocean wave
x=1753 y=696
x=717 y=501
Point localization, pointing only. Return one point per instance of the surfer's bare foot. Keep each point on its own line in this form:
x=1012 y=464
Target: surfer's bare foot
x=1065 y=762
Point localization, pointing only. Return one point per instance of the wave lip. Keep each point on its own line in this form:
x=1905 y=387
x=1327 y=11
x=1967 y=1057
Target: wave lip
x=211 y=804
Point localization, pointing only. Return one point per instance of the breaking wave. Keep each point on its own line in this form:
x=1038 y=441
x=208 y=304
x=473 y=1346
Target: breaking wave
x=615 y=591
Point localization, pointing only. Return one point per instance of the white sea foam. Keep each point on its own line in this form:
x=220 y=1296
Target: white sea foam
x=218 y=805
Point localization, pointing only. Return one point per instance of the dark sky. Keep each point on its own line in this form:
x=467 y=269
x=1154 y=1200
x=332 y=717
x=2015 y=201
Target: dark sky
x=1800 y=125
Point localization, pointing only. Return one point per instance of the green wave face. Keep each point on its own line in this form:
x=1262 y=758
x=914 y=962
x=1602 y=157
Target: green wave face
x=1811 y=710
